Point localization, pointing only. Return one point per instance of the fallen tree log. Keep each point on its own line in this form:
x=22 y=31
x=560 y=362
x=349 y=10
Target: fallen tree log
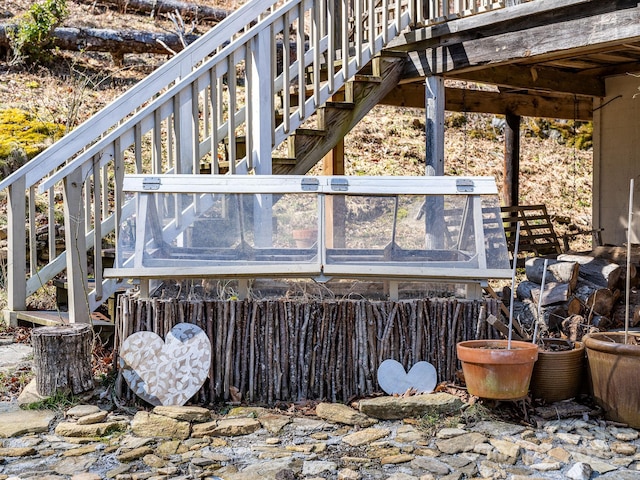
x=600 y=271
x=191 y=11
x=557 y=271
x=117 y=42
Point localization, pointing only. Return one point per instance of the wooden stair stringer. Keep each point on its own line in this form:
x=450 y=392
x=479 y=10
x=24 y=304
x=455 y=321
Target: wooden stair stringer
x=336 y=121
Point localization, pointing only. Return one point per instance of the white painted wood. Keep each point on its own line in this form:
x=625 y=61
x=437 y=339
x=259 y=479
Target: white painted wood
x=16 y=246
x=33 y=249
x=261 y=105
x=76 y=248
x=97 y=229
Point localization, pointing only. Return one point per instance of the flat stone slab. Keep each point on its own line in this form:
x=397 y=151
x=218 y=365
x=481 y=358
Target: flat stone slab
x=396 y=408
x=21 y=422
x=13 y=355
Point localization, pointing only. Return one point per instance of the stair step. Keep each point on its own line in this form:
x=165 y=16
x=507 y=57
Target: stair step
x=311 y=132
x=283 y=165
x=340 y=105
x=283 y=161
x=367 y=78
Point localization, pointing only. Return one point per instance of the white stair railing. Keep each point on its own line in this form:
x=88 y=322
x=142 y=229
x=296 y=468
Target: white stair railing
x=191 y=111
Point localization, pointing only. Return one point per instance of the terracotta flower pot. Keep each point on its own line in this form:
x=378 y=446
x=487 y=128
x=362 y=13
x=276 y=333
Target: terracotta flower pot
x=558 y=375
x=613 y=368
x=491 y=370
x=305 y=238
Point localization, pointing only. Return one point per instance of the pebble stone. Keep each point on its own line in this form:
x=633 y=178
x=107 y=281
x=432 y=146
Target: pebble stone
x=276 y=446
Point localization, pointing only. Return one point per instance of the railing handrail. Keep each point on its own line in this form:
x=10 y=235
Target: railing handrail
x=178 y=66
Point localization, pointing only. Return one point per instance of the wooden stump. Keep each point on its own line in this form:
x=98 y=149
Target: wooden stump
x=62 y=358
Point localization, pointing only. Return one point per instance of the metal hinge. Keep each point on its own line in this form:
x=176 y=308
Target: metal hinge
x=151 y=183
x=309 y=184
x=339 y=184
x=464 y=185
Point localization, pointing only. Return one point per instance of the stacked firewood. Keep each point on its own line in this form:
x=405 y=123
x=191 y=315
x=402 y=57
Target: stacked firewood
x=582 y=293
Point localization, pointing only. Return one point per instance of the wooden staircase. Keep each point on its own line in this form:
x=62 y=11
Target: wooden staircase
x=210 y=110
x=336 y=118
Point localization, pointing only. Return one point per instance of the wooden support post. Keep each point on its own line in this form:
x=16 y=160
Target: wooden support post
x=261 y=127
x=333 y=164
x=434 y=130
x=434 y=126
x=76 y=247
x=17 y=250
x=511 y=185
x=62 y=358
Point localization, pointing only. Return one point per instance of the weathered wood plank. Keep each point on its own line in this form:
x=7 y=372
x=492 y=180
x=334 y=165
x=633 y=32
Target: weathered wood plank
x=476 y=101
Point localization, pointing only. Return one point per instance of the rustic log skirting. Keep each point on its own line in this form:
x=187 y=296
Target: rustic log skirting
x=289 y=350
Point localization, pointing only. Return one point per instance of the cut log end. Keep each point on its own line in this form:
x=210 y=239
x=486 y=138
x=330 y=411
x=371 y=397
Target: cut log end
x=62 y=359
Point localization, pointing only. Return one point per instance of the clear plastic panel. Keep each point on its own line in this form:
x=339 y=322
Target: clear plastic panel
x=414 y=229
x=218 y=229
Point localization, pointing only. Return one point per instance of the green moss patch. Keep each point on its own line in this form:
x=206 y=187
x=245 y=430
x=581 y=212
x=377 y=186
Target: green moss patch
x=21 y=131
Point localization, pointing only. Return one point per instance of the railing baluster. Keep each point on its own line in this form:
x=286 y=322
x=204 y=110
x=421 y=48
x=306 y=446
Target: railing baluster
x=105 y=191
x=331 y=44
x=17 y=246
x=315 y=38
x=213 y=98
x=372 y=26
x=231 y=120
x=359 y=33
x=385 y=21
x=97 y=228
x=302 y=84
x=286 y=65
x=51 y=227
x=138 y=147
x=345 y=39
x=171 y=157
x=33 y=245
x=76 y=247
x=118 y=178
x=195 y=126
x=156 y=151
x=251 y=121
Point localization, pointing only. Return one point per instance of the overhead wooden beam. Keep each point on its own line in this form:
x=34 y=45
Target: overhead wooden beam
x=536 y=78
x=522 y=104
x=424 y=37
x=578 y=36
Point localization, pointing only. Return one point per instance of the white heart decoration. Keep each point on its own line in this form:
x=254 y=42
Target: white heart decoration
x=393 y=379
x=169 y=372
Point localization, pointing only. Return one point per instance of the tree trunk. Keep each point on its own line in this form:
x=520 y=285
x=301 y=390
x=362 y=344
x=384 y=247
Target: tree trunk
x=201 y=13
x=558 y=272
x=117 y=42
x=600 y=271
x=62 y=358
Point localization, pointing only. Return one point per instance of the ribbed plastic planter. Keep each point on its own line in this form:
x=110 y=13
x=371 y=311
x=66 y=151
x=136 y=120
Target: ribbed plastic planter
x=491 y=370
x=613 y=368
x=558 y=375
